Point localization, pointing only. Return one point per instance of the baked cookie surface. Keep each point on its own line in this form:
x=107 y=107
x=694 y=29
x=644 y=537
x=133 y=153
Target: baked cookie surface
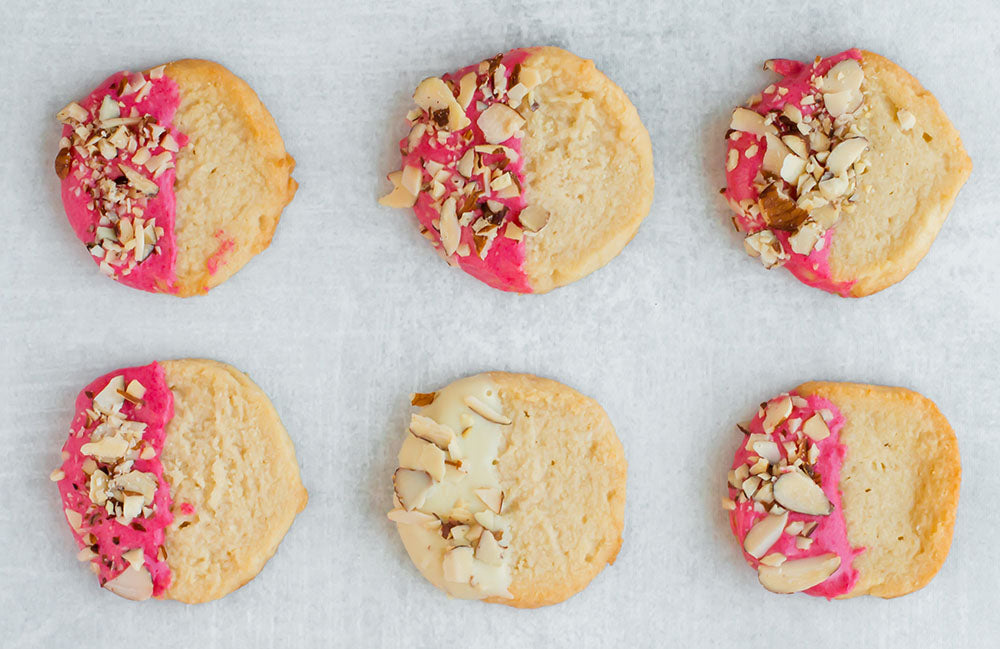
x=511 y=489
x=178 y=480
x=529 y=170
x=843 y=489
x=173 y=177
x=843 y=172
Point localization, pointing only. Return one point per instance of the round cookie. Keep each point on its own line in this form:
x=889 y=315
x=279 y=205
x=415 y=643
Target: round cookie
x=528 y=171
x=843 y=171
x=173 y=177
x=843 y=489
x=510 y=489
x=178 y=480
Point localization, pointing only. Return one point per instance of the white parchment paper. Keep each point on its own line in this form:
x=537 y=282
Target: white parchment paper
x=349 y=311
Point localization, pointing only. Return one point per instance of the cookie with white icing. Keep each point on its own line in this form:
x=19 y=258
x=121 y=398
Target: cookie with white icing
x=510 y=489
x=174 y=177
x=178 y=480
x=528 y=171
x=843 y=171
x=842 y=489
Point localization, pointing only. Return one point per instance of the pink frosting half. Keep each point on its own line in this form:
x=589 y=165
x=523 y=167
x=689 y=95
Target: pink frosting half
x=830 y=535
x=503 y=267
x=110 y=539
x=155 y=273
x=796 y=82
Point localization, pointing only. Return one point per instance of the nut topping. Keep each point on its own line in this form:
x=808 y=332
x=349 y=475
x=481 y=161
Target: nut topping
x=764 y=534
x=429 y=430
x=499 y=122
x=796 y=575
x=134 y=584
x=492 y=498
x=485 y=411
x=533 y=218
x=411 y=487
x=815 y=428
x=796 y=492
x=779 y=211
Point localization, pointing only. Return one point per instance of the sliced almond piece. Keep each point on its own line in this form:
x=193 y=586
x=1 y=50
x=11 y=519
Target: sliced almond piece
x=499 y=122
x=140 y=182
x=424 y=456
x=411 y=178
x=533 y=218
x=776 y=413
x=488 y=550
x=804 y=239
x=466 y=163
x=457 y=564
x=399 y=196
x=764 y=534
x=135 y=389
x=75 y=520
x=779 y=211
x=411 y=487
x=138 y=482
x=797 y=144
x=73 y=112
x=485 y=411
x=466 y=89
x=768 y=450
x=414 y=517
x=107 y=448
x=747 y=121
x=451 y=229
x=109 y=109
x=773 y=559
x=792 y=167
x=131 y=584
x=491 y=497
x=842 y=103
x=775 y=153
x=845 y=154
x=833 y=188
x=134 y=557
x=765 y=245
x=750 y=485
x=488 y=519
x=434 y=95
x=815 y=428
x=846 y=75
x=431 y=431
x=797 y=492
x=109 y=399
x=798 y=574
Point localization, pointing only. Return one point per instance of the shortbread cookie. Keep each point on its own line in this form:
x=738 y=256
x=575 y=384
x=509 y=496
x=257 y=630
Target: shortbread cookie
x=843 y=171
x=174 y=177
x=178 y=480
x=841 y=489
x=510 y=489
x=528 y=171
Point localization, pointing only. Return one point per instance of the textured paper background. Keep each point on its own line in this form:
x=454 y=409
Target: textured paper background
x=350 y=310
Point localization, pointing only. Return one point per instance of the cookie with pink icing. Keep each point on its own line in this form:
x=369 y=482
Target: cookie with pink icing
x=841 y=489
x=174 y=177
x=178 y=480
x=528 y=171
x=842 y=171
